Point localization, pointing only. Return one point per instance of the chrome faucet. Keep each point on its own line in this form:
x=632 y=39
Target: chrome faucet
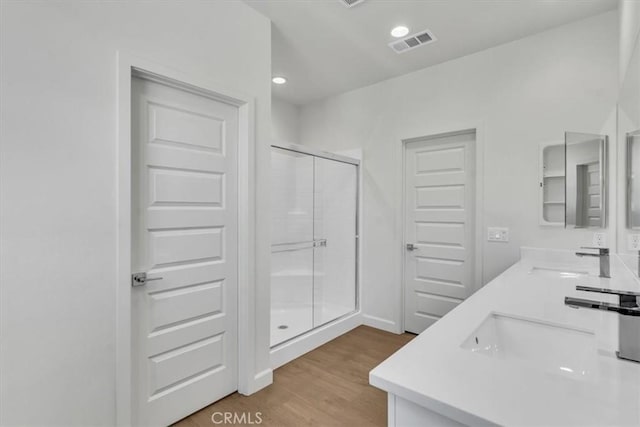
x=603 y=254
x=629 y=317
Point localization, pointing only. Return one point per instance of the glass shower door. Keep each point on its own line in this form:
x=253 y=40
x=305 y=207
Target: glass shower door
x=292 y=244
x=334 y=224
x=314 y=245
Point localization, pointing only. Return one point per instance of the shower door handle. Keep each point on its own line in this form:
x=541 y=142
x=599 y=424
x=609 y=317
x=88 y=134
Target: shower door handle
x=298 y=246
x=320 y=243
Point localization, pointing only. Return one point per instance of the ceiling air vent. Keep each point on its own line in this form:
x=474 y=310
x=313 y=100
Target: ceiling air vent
x=413 y=41
x=351 y=3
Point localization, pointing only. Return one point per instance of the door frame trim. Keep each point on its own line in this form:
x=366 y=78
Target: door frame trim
x=129 y=65
x=478 y=214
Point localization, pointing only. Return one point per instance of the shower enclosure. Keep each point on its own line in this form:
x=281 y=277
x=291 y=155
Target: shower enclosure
x=314 y=225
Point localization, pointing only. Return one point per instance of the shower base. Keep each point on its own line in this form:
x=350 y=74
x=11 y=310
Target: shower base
x=287 y=323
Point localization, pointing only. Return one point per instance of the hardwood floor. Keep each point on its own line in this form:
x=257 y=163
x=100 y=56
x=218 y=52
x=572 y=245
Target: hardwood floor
x=328 y=386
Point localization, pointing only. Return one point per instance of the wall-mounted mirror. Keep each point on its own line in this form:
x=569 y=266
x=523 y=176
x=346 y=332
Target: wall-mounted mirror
x=633 y=179
x=629 y=155
x=586 y=180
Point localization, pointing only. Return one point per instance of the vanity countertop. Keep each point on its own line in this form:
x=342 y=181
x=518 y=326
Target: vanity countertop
x=436 y=372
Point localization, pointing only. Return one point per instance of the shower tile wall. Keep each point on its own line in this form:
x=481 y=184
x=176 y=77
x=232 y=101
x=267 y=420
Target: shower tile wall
x=292 y=201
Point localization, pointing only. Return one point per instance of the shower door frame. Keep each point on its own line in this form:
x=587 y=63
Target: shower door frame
x=296 y=148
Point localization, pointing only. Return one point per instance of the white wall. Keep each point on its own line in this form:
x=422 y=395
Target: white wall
x=58 y=184
x=517 y=95
x=285 y=121
x=629 y=11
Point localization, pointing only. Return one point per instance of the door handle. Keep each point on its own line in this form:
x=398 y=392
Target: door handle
x=411 y=247
x=140 y=279
x=320 y=243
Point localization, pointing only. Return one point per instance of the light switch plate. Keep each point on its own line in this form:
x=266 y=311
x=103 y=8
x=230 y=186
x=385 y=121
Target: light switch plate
x=498 y=234
x=633 y=242
x=600 y=240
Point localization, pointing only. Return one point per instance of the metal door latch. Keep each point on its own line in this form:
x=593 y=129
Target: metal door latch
x=322 y=243
x=411 y=247
x=140 y=279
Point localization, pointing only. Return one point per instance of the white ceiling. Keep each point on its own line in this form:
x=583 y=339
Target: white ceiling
x=325 y=48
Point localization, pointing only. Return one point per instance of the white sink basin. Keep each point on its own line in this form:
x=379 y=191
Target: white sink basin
x=562 y=272
x=546 y=346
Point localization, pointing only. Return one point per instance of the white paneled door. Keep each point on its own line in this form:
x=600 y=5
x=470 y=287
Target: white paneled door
x=590 y=213
x=439 y=227
x=184 y=199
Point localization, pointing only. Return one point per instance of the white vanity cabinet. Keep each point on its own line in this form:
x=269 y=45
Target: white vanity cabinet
x=404 y=413
x=552 y=183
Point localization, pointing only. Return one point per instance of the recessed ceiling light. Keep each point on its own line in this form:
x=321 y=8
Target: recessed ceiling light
x=400 y=31
x=279 y=80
